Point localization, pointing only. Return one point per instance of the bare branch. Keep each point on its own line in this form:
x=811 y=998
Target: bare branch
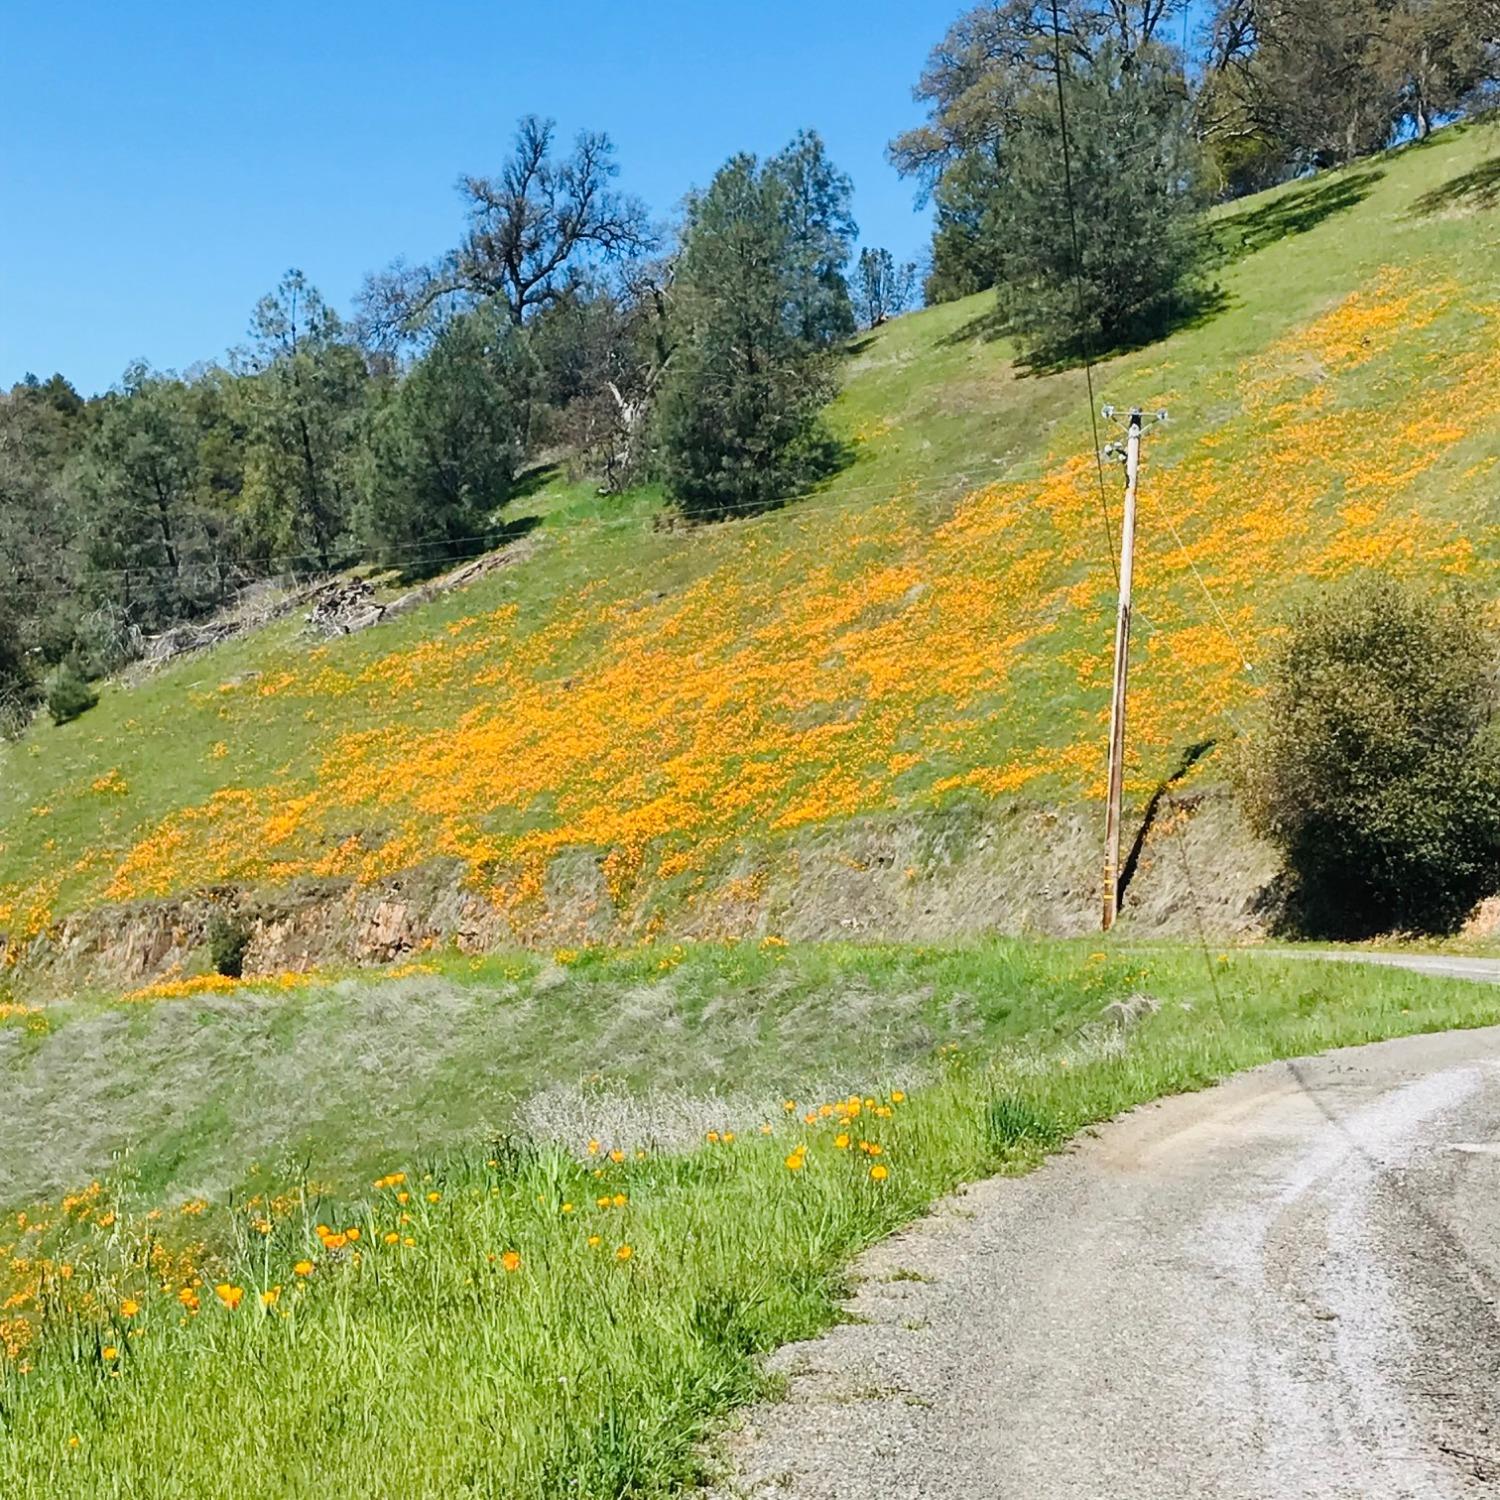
x=538 y=227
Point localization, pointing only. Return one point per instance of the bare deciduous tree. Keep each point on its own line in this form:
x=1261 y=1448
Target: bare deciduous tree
x=534 y=231
x=882 y=287
x=532 y=226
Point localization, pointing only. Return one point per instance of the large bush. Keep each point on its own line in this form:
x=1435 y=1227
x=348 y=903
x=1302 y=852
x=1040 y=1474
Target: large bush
x=1375 y=765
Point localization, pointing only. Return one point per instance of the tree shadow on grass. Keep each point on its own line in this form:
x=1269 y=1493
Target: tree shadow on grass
x=446 y=555
x=533 y=481
x=1478 y=188
x=1190 y=308
x=988 y=325
x=1232 y=238
x=1293 y=212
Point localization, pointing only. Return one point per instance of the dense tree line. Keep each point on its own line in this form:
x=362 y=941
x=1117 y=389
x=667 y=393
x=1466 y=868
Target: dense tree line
x=1259 y=92
x=1292 y=84
x=563 y=321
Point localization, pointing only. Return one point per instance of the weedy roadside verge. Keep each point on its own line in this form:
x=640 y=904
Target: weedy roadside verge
x=573 y=1317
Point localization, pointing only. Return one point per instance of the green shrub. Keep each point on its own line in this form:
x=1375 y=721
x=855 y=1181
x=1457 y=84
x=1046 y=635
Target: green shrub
x=228 y=939
x=68 y=693
x=1375 y=765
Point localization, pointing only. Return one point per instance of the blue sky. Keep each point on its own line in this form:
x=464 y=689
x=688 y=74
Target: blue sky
x=165 y=163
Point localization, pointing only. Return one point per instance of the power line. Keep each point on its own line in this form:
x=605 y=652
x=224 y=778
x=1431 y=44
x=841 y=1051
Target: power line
x=803 y=511
x=1213 y=603
x=1088 y=353
x=801 y=507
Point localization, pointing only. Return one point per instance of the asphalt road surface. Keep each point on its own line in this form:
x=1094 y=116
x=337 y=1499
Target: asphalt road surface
x=1287 y=1286
x=1440 y=965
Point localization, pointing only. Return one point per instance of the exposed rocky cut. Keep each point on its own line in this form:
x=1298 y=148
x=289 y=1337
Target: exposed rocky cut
x=1016 y=869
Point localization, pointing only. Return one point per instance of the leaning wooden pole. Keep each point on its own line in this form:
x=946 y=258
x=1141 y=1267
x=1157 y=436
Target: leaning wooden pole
x=1122 y=672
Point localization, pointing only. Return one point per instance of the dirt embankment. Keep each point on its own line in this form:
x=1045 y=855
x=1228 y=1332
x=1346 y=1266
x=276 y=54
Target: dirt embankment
x=1005 y=868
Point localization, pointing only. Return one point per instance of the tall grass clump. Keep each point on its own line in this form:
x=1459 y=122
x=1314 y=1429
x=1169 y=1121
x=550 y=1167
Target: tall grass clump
x=526 y=1322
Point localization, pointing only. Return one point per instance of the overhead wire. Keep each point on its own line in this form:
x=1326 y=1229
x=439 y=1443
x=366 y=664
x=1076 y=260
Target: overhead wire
x=1057 y=57
x=797 y=508
x=1229 y=632
x=1088 y=353
x=1213 y=603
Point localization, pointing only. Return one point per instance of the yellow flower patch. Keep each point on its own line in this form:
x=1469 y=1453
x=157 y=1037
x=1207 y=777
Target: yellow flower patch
x=833 y=660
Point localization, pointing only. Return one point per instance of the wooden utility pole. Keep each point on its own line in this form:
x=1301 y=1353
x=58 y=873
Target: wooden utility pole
x=1122 y=671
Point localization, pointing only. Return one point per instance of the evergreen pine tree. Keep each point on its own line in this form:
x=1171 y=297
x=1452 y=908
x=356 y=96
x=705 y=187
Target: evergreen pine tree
x=739 y=423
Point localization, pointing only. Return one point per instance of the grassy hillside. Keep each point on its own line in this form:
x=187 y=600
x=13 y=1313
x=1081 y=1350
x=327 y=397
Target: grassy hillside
x=706 y=1136
x=931 y=629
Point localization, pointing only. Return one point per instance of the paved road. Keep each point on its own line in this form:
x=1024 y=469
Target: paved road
x=1442 y=965
x=1287 y=1286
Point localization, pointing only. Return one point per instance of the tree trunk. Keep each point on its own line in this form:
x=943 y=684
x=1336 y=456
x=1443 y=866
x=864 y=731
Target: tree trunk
x=164 y=522
x=314 y=499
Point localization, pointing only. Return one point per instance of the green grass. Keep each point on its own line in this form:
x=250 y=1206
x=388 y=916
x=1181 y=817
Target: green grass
x=642 y=626
x=659 y=672
x=429 y=1369
x=382 y=1066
